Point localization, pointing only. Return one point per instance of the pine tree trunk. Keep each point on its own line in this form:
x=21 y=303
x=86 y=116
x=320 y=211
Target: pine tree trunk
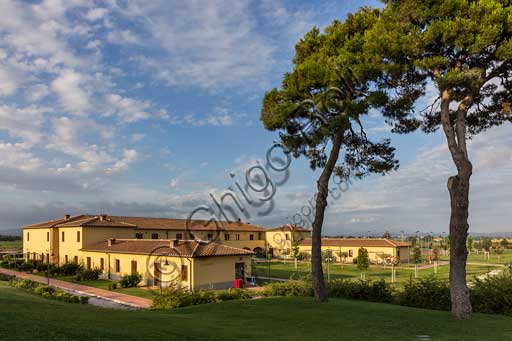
x=458 y=187
x=321 y=203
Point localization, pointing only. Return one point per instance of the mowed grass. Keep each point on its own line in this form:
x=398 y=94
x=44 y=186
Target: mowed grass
x=494 y=258
x=103 y=284
x=10 y=245
x=286 y=270
x=24 y=316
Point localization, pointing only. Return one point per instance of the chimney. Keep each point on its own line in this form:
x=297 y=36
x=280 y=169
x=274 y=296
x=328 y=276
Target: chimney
x=111 y=241
x=67 y=216
x=103 y=217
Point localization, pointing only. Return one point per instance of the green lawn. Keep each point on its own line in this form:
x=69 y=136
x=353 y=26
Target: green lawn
x=504 y=258
x=11 y=245
x=287 y=270
x=103 y=284
x=25 y=316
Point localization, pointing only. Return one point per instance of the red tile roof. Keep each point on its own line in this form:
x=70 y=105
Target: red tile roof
x=181 y=248
x=353 y=242
x=144 y=223
x=289 y=227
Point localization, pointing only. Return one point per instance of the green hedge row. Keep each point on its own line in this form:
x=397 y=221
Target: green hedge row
x=171 y=298
x=48 y=291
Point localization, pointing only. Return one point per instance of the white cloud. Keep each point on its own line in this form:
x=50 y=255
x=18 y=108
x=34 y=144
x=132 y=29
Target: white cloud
x=23 y=123
x=9 y=81
x=68 y=86
x=37 y=92
x=16 y=156
x=129 y=156
x=127 y=109
x=123 y=37
x=96 y=14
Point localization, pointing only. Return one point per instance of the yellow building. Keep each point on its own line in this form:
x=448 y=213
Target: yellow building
x=118 y=245
x=280 y=240
x=190 y=264
x=62 y=238
x=380 y=250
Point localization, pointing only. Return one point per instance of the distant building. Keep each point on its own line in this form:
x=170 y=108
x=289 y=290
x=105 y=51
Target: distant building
x=380 y=250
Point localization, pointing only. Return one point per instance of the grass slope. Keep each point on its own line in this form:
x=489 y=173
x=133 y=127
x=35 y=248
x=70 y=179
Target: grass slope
x=28 y=317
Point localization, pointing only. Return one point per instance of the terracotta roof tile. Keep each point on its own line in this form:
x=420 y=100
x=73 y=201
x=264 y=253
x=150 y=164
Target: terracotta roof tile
x=354 y=242
x=181 y=248
x=142 y=223
x=289 y=227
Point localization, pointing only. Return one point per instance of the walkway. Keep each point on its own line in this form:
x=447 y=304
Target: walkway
x=128 y=300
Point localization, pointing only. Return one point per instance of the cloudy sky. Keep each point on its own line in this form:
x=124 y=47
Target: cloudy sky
x=152 y=108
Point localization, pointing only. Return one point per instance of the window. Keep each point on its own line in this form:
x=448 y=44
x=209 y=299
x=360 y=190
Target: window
x=89 y=263
x=251 y=237
x=63 y=236
x=78 y=236
x=75 y=259
x=28 y=236
x=65 y=258
x=184 y=273
x=154 y=235
x=47 y=236
x=179 y=236
x=350 y=253
x=134 y=266
x=237 y=236
x=226 y=236
x=287 y=236
x=138 y=236
x=210 y=236
x=259 y=236
x=118 y=265
x=102 y=264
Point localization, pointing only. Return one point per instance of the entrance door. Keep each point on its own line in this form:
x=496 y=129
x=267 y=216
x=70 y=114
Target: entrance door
x=240 y=271
x=158 y=274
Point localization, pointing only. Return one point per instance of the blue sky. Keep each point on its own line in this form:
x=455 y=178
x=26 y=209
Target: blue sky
x=131 y=108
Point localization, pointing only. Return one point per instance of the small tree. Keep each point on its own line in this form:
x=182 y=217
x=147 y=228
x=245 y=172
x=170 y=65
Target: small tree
x=504 y=243
x=295 y=252
x=416 y=256
x=363 y=261
x=386 y=235
x=486 y=244
x=435 y=253
x=343 y=257
x=470 y=243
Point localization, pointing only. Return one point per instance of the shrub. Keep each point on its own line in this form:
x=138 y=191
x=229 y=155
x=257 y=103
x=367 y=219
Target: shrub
x=88 y=275
x=492 y=295
x=428 y=293
x=233 y=294
x=377 y=291
x=70 y=269
x=24 y=284
x=84 y=299
x=112 y=286
x=171 y=298
x=129 y=281
x=66 y=297
x=291 y=288
x=26 y=266
x=6 y=278
x=41 y=289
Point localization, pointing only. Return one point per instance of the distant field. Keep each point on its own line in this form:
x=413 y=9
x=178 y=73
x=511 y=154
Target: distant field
x=504 y=258
x=25 y=316
x=287 y=270
x=18 y=244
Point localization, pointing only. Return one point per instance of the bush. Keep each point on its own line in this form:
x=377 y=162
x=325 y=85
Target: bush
x=428 y=293
x=377 y=291
x=24 y=284
x=66 y=297
x=41 y=289
x=233 y=294
x=129 y=281
x=171 y=298
x=291 y=288
x=492 y=295
x=84 y=299
x=26 y=266
x=112 y=286
x=88 y=275
x=70 y=269
x=6 y=278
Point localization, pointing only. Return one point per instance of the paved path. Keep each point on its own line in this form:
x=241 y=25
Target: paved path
x=128 y=300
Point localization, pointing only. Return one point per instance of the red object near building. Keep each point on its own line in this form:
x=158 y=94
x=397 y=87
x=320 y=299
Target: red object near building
x=238 y=283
